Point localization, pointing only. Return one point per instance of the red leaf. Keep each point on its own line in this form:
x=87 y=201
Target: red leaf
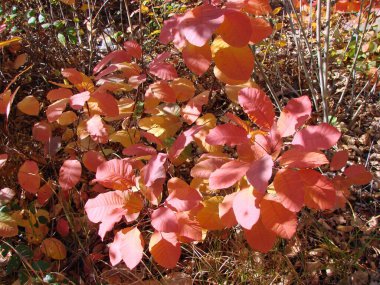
x=228 y=134
x=257 y=105
x=289 y=189
x=259 y=173
x=298 y=158
x=69 y=174
x=320 y=193
x=277 y=218
x=128 y=245
x=339 y=160
x=155 y=169
x=318 y=137
x=358 y=174
x=107 y=103
x=198 y=24
x=182 y=141
x=294 y=115
x=77 y=101
x=246 y=208
x=161 y=91
x=55 y=110
x=116 y=174
x=97 y=130
x=28 y=176
x=197 y=59
x=165 y=249
x=63 y=227
x=260 y=238
x=139 y=149
x=58 y=94
x=164 y=220
x=116 y=56
x=45 y=193
x=226 y=176
x=261 y=29
x=236 y=28
x=133 y=48
x=42 y=131
x=92 y=159
x=161 y=69
x=226 y=212
x=182 y=197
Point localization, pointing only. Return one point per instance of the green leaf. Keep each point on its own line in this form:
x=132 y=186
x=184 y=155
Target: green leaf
x=32 y=21
x=59 y=24
x=23 y=276
x=41 y=265
x=13 y=264
x=46 y=25
x=61 y=39
x=24 y=251
x=41 y=18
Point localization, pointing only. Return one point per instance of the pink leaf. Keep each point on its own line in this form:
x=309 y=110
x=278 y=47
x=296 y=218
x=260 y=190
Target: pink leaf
x=198 y=24
x=116 y=174
x=55 y=110
x=193 y=109
x=106 y=208
x=182 y=197
x=318 y=137
x=226 y=212
x=182 y=141
x=3 y=159
x=257 y=105
x=294 y=115
x=164 y=220
x=207 y=165
x=155 y=169
x=161 y=69
x=226 y=176
x=128 y=245
x=77 y=101
x=97 y=130
x=69 y=174
x=139 y=149
x=170 y=33
x=246 y=208
x=339 y=160
x=227 y=134
x=259 y=173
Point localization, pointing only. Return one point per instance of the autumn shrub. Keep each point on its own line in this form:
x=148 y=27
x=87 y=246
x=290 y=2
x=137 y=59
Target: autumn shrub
x=133 y=143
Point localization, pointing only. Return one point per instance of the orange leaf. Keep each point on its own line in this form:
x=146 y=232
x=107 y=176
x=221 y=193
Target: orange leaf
x=358 y=174
x=59 y=93
x=289 y=189
x=197 y=59
x=298 y=158
x=92 y=159
x=54 y=248
x=277 y=218
x=236 y=28
x=28 y=176
x=208 y=216
x=260 y=238
x=183 y=89
x=29 y=105
x=261 y=29
x=165 y=249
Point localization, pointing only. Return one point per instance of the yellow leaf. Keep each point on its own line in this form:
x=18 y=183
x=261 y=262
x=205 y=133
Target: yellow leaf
x=8 y=42
x=67 y=118
x=29 y=105
x=162 y=127
x=277 y=10
x=8 y=226
x=68 y=2
x=208 y=216
x=54 y=248
x=125 y=137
